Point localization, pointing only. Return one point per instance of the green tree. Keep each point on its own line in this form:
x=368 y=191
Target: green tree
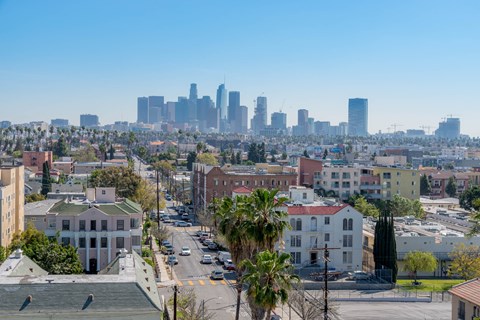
x=49 y=255
x=269 y=278
x=367 y=209
x=325 y=154
x=46 y=181
x=34 y=197
x=3 y=254
x=284 y=156
x=145 y=195
x=207 y=158
x=425 y=187
x=112 y=152
x=191 y=158
x=123 y=179
x=415 y=261
x=60 y=148
x=401 y=206
x=238 y=157
x=468 y=197
x=465 y=261
x=85 y=154
x=384 y=246
x=451 y=187
x=305 y=154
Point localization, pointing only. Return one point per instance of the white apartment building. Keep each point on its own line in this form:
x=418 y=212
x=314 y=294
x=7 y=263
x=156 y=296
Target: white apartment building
x=315 y=224
x=98 y=226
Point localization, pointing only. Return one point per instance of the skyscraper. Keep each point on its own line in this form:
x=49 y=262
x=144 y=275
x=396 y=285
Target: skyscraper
x=193 y=92
x=142 y=110
x=181 y=110
x=279 y=120
x=155 y=106
x=449 y=129
x=233 y=104
x=221 y=102
x=259 y=120
x=89 y=120
x=240 y=125
x=358 y=117
x=302 y=125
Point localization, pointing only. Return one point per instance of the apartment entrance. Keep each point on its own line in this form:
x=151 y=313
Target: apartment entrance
x=93 y=266
x=313 y=257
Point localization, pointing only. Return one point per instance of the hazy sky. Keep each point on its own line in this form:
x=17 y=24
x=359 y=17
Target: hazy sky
x=416 y=61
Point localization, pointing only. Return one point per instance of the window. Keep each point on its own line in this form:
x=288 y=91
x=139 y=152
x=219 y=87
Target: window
x=134 y=223
x=120 y=242
x=93 y=225
x=388 y=184
x=347 y=256
x=335 y=175
x=327 y=237
x=347 y=240
x=346 y=175
x=104 y=192
x=104 y=225
x=327 y=220
x=350 y=224
x=304 y=196
x=299 y=224
x=296 y=257
x=65 y=225
x=93 y=243
x=215 y=182
x=345 y=224
x=103 y=242
x=295 y=241
x=81 y=242
x=136 y=241
x=365 y=241
x=398 y=174
x=82 y=225
x=313 y=242
x=65 y=241
x=120 y=225
x=292 y=223
x=313 y=224
x=346 y=184
x=461 y=310
x=317 y=175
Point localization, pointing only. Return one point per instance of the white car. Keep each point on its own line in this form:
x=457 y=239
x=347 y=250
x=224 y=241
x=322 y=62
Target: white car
x=182 y=224
x=358 y=275
x=207 y=259
x=185 y=251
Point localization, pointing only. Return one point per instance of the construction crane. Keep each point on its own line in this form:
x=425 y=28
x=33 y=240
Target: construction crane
x=255 y=101
x=395 y=125
x=452 y=115
x=426 y=127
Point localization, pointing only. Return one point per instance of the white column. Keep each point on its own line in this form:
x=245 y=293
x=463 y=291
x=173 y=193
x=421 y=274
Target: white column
x=98 y=253
x=87 y=251
x=77 y=241
x=109 y=247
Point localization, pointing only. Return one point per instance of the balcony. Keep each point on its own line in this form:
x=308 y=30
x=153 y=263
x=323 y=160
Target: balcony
x=371 y=187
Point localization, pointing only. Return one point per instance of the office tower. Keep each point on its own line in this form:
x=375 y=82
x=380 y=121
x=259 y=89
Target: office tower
x=192 y=103
x=204 y=106
x=142 y=110
x=5 y=124
x=59 y=122
x=259 y=120
x=233 y=104
x=302 y=125
x=89 y=120
x=358 y=117
x=193 y=92
x=322 y=128
x=181 y=110
x=240 y=125
x=155 y=106
x=343 y=128
x=310 y=126
x=169 y=111
x=221 y=102
x=279 y=120
x=448 y=129
x=12 y=200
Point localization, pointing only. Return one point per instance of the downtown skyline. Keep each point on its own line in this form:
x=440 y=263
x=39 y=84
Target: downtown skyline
x=415 y=63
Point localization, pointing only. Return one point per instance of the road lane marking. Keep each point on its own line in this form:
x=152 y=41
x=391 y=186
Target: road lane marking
x=213 y=282
x=180 y=283
x=223 y=282
x=190 y=282
x=201 y=282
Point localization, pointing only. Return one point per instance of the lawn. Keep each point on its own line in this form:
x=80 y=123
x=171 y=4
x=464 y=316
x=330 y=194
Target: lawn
x=436 y=285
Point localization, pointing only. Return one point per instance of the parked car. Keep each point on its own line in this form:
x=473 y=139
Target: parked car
x=358 y=275
x=186 y=219
x=217 y=275
x=172 y=259
x=185 y=251
x=185 y=214
x=229 y=265
x=224 y=256
x=168 y=198
x=168 y=249
x=203 y=236
x=182 y=224
x=207 y=242
x=166 y=219
x=207 y=259
x=212 y=246
x=199 y=233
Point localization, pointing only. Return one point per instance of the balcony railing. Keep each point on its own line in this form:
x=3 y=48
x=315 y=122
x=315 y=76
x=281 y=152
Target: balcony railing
x=371 y=187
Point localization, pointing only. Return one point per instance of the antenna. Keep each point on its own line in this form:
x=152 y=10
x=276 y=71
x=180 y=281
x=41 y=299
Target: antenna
x=283 y=104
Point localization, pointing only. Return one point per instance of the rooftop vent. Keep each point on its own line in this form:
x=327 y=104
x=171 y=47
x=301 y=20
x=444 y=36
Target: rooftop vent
x=123 y=252
x=18 y=253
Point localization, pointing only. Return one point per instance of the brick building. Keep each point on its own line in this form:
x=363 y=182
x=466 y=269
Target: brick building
x=309 y=172
x=35 y=159
x=214 y=181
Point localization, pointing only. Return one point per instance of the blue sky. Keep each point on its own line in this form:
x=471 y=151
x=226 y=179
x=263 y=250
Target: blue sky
x=416 y=61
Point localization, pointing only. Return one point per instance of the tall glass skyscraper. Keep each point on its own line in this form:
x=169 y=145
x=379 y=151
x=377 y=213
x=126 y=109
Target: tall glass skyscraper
x=142 y=110
x=222 y=101
x=358 y=117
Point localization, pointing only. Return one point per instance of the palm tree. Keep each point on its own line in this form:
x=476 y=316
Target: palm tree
x=266 y=222
x=269 y=279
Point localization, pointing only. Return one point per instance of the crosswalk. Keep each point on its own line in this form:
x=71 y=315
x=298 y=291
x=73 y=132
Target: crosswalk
x=205 y=282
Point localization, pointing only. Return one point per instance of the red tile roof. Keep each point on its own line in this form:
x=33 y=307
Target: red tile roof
x=242 y=190
x=469 y=291
x=315 y=210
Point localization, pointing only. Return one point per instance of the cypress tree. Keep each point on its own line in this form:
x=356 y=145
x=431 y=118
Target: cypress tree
x=46 y=183
x=384 y=247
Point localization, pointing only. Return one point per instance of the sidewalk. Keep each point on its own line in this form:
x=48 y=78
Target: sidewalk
x=164 y=275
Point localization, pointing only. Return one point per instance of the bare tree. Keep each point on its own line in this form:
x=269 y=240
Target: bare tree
x=187 y=306
x=309 y=304
x=161 y=233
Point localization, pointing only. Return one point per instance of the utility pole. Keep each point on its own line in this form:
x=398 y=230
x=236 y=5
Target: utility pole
x=326 y=258
x=158 y=201
x=175 y=289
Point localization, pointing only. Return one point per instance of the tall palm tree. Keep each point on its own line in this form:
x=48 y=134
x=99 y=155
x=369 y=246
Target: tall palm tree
x=266 y=221
x=269 y=279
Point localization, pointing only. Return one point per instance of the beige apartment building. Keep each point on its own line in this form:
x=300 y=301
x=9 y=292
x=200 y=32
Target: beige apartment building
x=12 y=198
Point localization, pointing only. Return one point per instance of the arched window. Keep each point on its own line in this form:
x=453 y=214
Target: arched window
x=299 y=224
x=292 y=223
x=345 y=224
x=313 y=224
x=350 y=224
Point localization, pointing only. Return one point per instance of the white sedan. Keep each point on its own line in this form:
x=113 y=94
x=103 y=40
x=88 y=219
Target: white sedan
x=185 y=251
x=182 y=224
